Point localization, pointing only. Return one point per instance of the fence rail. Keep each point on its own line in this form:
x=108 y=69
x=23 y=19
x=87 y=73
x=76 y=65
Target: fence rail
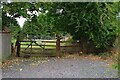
x=50 y=41
x=50 y=47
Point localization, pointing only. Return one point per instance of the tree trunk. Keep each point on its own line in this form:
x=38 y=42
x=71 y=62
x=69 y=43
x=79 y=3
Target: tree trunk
x=18 y=46
x=12 y=49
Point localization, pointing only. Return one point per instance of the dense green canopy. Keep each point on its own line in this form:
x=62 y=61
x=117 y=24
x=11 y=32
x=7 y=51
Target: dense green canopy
x=94 y=22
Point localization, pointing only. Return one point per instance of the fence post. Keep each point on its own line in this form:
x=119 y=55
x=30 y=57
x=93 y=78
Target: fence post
x=58 y=46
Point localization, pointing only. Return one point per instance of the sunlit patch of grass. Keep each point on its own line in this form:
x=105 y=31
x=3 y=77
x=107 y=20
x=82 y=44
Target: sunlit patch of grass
x=115 y=66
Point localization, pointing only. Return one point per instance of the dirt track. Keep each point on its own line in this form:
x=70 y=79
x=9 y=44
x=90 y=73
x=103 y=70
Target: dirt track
x=60 y=68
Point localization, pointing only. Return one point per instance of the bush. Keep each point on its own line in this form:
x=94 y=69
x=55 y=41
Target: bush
x=104 y=55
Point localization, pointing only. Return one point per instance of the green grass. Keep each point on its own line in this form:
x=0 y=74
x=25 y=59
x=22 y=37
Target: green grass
x=105 y=54
x=46 y=47
x=52 y=45
x=115 y=66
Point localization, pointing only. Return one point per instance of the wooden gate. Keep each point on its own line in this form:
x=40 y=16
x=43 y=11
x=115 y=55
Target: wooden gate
x=48 y=47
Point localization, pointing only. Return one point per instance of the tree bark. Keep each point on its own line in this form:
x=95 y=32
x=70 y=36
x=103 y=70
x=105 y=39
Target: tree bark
x=18 y=46
x=12 y=49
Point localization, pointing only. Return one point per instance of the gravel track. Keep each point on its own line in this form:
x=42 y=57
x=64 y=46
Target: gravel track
x=60 y=68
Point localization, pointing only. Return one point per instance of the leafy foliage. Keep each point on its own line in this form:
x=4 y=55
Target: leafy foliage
x=14 y=30
x=95 y=22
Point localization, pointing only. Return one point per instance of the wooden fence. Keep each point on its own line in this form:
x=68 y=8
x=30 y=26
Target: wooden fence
x=49 y=47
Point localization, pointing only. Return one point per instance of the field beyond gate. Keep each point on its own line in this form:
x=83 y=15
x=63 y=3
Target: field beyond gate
x=48 y=47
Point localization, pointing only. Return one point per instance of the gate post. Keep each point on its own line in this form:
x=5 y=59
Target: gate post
x=58 y=46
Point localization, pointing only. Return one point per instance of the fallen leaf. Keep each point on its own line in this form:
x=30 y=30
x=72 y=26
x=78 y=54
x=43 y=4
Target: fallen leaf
x=34 y=64
x=20 y=69
x=43 y=61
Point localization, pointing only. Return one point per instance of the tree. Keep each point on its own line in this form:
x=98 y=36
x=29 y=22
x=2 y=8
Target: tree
x=30 y=11
x=94 y=22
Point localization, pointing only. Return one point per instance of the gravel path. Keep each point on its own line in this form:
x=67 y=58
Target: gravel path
x=60 y=68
